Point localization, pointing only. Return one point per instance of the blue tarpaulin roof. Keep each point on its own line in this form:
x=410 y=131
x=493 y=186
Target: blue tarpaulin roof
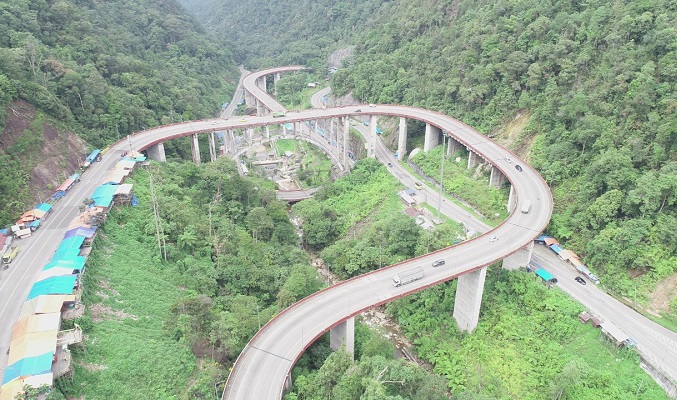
x=75 y=263
x=103 y=195
x=35 y=223
x=54 y=285
x=74 y=177
x=29 y=366
x=556 y=248
x=137 y=158
x=73 y=242
x=542 y=238
x=44 y=207
x=4 y=231
x=92 y=156
x=65 y=254
x=81 y=231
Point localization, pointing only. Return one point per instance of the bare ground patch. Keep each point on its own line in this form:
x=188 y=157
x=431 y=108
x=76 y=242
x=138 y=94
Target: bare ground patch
x=101 y=312
x=665 y=291
x=93 y=367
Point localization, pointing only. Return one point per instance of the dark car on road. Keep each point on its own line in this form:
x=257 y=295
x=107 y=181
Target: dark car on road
x=518 y=167
x=580 y=280
x=438 y=263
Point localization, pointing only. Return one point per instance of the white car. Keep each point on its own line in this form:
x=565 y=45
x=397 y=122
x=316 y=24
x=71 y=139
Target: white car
x=493 y=239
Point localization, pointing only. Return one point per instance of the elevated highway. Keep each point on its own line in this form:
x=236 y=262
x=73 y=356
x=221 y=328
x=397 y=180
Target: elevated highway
x=263 y=368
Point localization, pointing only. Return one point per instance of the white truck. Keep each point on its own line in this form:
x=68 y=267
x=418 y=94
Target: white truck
x=526 y=206
x=407 y=277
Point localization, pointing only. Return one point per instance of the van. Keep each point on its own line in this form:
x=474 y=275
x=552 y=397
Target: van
x=418 y=185
x=526 y=206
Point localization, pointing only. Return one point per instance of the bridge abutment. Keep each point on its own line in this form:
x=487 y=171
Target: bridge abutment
x=468 y=300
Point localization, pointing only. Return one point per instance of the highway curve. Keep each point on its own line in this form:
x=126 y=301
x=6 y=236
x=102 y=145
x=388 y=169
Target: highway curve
x=263 y=366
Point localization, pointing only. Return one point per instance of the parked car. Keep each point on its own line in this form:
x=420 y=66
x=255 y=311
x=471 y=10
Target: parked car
x=437 y=263
x=580 y=280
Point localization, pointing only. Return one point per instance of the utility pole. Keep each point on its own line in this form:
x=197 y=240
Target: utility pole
x=159 y=232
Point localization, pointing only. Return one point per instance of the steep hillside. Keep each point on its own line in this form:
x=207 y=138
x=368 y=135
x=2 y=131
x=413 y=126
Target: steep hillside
x=271 y=33
x=102 y=70
x=596 y=79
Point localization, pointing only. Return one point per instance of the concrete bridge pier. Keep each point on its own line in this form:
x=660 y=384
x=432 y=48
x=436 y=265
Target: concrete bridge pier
x=469 y=299
x=497 y=179
x=512 y=200
x=276 y=78
x=473 y=159
x=157 y=152
x=371 y=142
x=296 y=128
x=432 y=137
x=520 y=258
x=346 y=135
x=343 y=334
x=195 y=148
x=402 y=140
x=453 y=146
x=212 y=146
x=262 y=83
x=268 y=132
x=249 y=100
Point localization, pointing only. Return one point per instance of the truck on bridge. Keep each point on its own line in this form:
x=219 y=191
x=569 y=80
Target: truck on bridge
x=407 y=277
x=10 y=254
x=279 y=114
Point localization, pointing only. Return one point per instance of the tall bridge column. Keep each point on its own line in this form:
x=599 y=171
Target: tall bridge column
x=212 y=146
x=267 y=131
x=371 y=142
x=249 y=100
x=157 y=152
x=276 y=78
x=520 y=258
x=432 y=137
x=473 y=159
x=195 y=148
x=512 y=200
x=261 y=82
x=497 y=179
x=296 y=128
x=469 y=299
x=402 y=140
x=346 y=135
x=343 y=334
x=453 y=146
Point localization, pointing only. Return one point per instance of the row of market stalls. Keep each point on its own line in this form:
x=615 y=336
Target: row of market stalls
x=567 y=256
x=39 y=351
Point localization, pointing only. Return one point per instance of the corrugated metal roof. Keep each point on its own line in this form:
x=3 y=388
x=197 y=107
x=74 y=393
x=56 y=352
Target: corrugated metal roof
x=45 y=304
x=54 y=285
x=36 y=365
x=32 y=345
x=37 y=323
x=45 y=207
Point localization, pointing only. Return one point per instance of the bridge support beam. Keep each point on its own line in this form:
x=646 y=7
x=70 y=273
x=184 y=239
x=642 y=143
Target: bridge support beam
x=371 y=142
x=402 y=140
x=469 y=299
x=343 y=334
x=212 y=146
x=453 y=146
x=520 y=258
x=195 y=148
x=473 y=159
x=157 y=152
x=267 y=131
x=497 y=179
x=432 y=137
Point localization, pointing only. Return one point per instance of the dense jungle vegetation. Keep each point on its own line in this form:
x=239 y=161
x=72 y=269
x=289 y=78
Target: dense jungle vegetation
x=104 y=70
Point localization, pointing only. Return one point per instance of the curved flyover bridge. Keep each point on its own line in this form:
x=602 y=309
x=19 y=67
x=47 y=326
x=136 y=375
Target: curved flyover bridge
x=263 y=368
